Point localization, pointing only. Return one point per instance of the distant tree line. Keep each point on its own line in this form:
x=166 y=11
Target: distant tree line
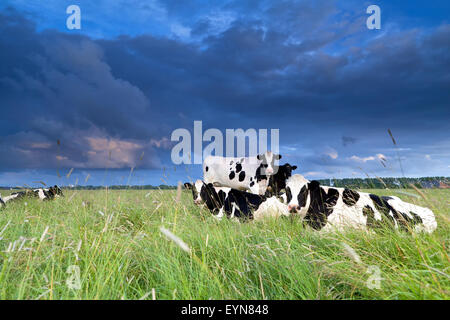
x=354 y=183
x=391 y=183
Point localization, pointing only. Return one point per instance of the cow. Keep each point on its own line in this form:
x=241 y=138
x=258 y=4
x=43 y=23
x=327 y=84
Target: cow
x=43 y=194
x=2 y=203
x=234 y=203
x=325 y=208
x=277 y=181
x=246 y=173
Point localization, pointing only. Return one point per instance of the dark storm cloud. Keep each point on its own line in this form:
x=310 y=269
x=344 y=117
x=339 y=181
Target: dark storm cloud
x=324 y=80
x=58 y=87
x=348 y=141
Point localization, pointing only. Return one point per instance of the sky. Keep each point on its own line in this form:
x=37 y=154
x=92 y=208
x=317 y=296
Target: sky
x=106 y=98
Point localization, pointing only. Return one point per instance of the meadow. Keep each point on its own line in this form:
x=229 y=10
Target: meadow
x=108 y=245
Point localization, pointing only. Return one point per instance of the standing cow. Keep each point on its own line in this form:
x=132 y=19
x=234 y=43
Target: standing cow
x=327 y=207
x=247 y=173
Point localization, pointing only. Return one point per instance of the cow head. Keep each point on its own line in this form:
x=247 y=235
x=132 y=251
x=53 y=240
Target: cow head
x=55 y=192
x=277 y=182
x=267 y=162
x=286 y=170
x=297 y=193
x=196 y=189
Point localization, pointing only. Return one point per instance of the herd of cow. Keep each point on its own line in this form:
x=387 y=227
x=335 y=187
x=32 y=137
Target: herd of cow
x=41 y=193
x=254 y=187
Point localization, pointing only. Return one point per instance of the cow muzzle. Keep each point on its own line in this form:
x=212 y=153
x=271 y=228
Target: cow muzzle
x=293 y=208
x=198 y=201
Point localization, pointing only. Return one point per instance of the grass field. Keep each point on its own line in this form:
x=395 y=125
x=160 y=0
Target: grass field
x=113 y=239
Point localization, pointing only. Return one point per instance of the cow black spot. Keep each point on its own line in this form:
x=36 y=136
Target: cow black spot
x=252 y=183
x=302 y=197
x=370 y=214
x=321 y=205
x=232 y=175
x=231 y=163
x=245 y=202
x=416 y=218
x=242 y=176
x=288 y=195
x=238 y=167
x=403 y=220
x=384 y=208
x=251 y=178
x=350 y=197
x=206 y=169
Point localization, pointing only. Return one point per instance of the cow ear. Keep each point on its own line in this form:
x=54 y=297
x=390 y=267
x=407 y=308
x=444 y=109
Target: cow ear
x=294 y=167
x=187 y=185
x=278 y=156
x=258 y=157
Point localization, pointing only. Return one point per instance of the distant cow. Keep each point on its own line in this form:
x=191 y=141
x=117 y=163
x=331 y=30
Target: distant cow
x=247 y=173
x=327 y=207
x=277 y=182
x=43 y=194
x=234 y=203
x=2 y=203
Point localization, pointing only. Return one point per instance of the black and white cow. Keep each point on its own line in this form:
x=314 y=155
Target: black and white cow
x=277 y=181
x=2 y=203
x=43 y=194
x=234 y=203
x=247 y=173
x=325 y=208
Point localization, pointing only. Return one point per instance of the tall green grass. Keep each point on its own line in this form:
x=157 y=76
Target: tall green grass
x=114 y=238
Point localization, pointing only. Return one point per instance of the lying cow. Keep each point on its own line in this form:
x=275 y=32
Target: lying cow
x=43 y=194
x=235 y=203
x=2 y=203
x=249 y=173
x=277 y=181
x=326 y=207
